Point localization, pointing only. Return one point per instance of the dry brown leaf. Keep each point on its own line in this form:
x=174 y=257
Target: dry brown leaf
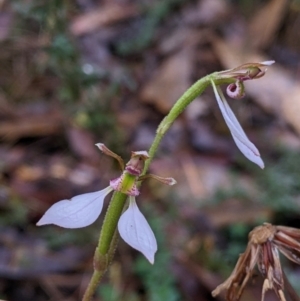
x=169 y=82
x=204 y=276
x=212 y=11
x=30 y=127
x=265 y=23
x=234 y=211
x=6 y=21
x=56 y=286
x=82 y=143
x=179 y=39
x=103 y=16
x=38 y=260
x=129 y=118
x=197 y=179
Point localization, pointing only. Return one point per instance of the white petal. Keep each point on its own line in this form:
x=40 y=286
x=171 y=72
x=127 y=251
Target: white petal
x=248 y=153
x=267 y=63
x=135 y=231
x=141 y=153
x=81 y=211
x=243 y=143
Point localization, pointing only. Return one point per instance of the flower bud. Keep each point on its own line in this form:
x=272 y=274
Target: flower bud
x=246 y=71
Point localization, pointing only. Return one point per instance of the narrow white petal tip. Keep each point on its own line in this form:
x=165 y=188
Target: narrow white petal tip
x=241 y=140
x=171 y=181
x=259 y=162
x=268 y=63
x=100 y=146
x=41 y=222
x=79 y=212
x=135 y=231
x=249 y=150
x=141 y=153
x=150 y=259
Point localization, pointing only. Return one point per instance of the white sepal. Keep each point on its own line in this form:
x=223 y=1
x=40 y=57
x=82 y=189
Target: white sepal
x=81 y=211
x=135 y=230
x=267 y=63
x=243 y=143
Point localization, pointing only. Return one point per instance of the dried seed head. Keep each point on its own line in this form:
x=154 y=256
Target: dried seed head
x=263 y=248
x=262 y=234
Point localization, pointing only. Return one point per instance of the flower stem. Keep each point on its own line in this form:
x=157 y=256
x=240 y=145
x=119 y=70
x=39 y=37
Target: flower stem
x=93 y=284
x=108 y=236
x=107 y=242
x=110 y=222
x=188 y=96
x=98 y=274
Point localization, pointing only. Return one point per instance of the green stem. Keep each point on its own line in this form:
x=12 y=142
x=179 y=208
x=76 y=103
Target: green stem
x=98 y=272
x=107 y=243
x=92 y=287
x=110 y=222
x=188 y=96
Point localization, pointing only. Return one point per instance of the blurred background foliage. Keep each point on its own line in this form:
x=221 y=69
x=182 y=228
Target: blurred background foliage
x=74 y=73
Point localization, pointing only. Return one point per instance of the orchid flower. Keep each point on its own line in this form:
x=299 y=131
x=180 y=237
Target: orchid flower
x=236 y=90
x=243 y=143
x=84 y=209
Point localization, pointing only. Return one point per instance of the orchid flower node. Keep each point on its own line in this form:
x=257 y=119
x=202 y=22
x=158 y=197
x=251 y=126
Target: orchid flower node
x=247 y=148
x=83 y=210
x=236 y=90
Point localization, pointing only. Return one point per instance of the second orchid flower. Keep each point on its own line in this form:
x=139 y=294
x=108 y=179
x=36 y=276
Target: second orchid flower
x=236 y=90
